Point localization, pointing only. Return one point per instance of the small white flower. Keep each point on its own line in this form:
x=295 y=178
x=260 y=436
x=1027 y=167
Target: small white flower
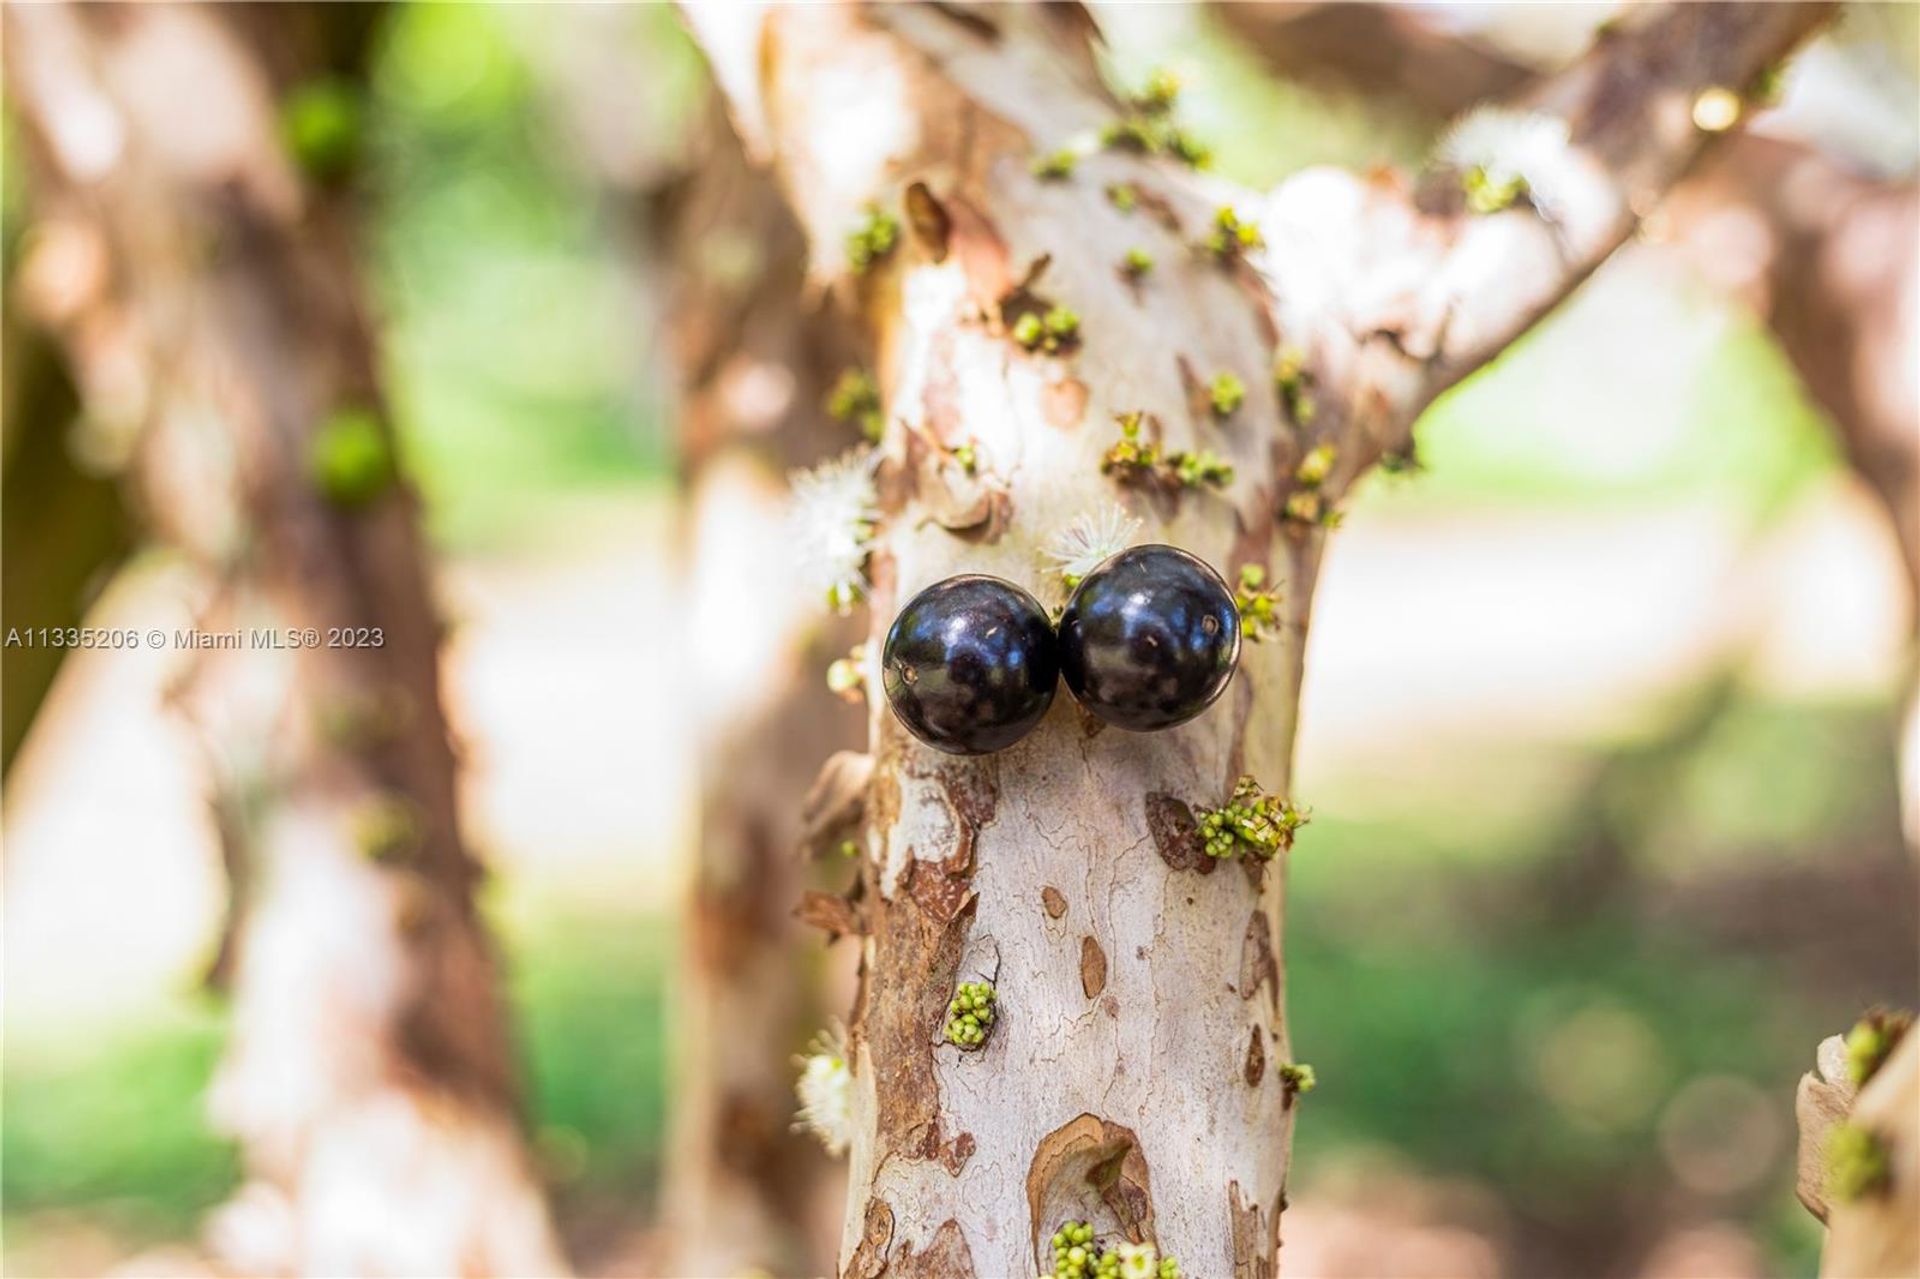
x=1138 y=1261
x=1091 y=539
x=825 y=1089
x=834 y=509
x=1508 y=149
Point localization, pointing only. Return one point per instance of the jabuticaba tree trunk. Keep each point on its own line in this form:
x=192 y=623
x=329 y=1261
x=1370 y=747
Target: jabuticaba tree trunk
x=1131 y=1075
x=369 y=1077
x=743 y=1189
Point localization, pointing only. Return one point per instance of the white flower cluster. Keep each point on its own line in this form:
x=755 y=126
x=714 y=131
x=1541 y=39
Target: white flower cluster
x=1092 y=538
x=825 y=1089
x=1508 y=153
x=834 y=510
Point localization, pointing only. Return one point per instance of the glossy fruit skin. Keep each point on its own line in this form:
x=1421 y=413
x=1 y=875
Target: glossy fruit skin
x=971 y=664
x=1150 y=638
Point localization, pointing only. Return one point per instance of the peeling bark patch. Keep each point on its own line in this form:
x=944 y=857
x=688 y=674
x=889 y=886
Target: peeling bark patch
x=1176 y=836
x=1253 y=1257
x=954 y=1157
x=836 y=802
x=918 y=940
x=1053 y=901
x=947 y=1257
x=869 y=1260
x=931 y=225
x=1256 y=1059
x=1093 y=1170
x=1257 y=964
x=981 y=252
x=1093 y=967
x=831 y=913
x=1064 y=403
x=939 y=895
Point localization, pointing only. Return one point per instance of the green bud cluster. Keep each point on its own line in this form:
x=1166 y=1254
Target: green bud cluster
x=1296 y=1077
x=847 y=675
x=970 y=1014
x=1204 y=467
x=1136 y=263
x=842 y=596
x=1137 y=461
x=1316 y=466
x=1057 y=327
x=1123 y=197
x=1225 y=394
x=1230 y=236
x=1078 y=1255
x=855 y=397
x=1148 y=127
x=350 y=458
x=1259 y=607
x=386 y=829
x=1294 y=381
x=1857 y=1164
x=1158 y=95
x=320 y=122
x=1055 y=166
x=1872 y=1040
x=1251 y=822
x=1308 y=506
x=968 y=458
x=877 y=235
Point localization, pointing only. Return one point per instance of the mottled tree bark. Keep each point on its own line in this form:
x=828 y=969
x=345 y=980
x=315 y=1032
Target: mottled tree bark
x=1131 y=1077
x=369 y=1077
x=716 y=261
x=754 y=364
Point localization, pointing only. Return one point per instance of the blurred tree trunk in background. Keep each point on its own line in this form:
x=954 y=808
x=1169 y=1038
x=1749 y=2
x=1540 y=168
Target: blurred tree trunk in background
x=718 y=261
x=1135 y=1074
x=71 y=517
x=755 y=367
x=191 y=168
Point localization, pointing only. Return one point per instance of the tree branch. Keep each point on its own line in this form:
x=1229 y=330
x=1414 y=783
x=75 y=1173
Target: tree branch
x=1409 y=292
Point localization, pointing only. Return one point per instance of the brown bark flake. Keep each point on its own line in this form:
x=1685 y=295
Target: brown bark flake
x=1256 y=1058
x=1093 y=968
x=831 y=913
x=869 y=1260
x=917 y=940
x=947 y=1257
x=1053 y=901
x=1258 y=967
x=1064 y=403
x=836 y=803
x=929 y=221
x=1089 y=1169
x=1176 y=836
x=1254 y=1244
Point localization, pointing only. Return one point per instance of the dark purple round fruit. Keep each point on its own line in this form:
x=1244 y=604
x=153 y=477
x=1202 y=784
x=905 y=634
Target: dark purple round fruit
x=970 y=665
x=1150 y=638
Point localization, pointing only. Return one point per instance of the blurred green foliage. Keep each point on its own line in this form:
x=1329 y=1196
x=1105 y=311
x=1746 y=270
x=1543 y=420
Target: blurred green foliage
x=114 y=1127
x=519 y=364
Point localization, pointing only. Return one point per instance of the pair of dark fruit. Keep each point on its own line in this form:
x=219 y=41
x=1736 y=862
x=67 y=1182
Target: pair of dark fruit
x=1147 y=641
